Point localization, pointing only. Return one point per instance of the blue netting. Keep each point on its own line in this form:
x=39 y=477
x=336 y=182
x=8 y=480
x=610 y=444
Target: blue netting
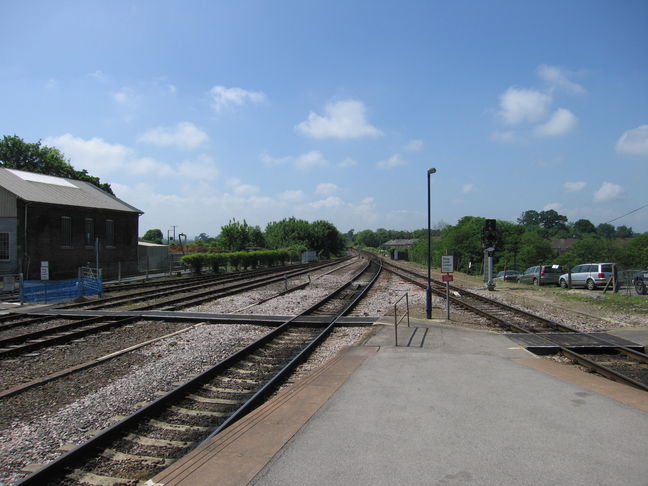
x=57 y=290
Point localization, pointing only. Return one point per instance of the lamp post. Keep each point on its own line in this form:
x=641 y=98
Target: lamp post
x=428 y=291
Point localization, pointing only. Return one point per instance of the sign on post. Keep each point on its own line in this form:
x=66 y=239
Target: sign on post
x=44 y=270
x=447 y=263
x=447 y=278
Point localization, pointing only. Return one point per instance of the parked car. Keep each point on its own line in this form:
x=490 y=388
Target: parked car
x=640 y=282
x=543 y=274
x=591 y=275
x=507 y=276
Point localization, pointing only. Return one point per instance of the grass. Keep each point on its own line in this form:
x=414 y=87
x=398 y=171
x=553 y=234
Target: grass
x=611 y=301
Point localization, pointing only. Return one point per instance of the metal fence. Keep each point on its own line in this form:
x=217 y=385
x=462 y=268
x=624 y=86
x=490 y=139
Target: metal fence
x=88 y=283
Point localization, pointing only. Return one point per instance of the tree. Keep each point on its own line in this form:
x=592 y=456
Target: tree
x=552 y=220
x=584 y=226
x=325 y=238
x=534 y=250
x=15 y=153
x=287 y=233
x=624 y=231
x=529 y=218
x=154 y=236
x=234 y=236
x=606 y=230
x=367 y=238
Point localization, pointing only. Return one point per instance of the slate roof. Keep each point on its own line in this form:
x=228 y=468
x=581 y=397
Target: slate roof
x=400 y=242
x=41 y=188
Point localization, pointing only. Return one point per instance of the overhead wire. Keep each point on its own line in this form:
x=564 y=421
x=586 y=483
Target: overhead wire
x=626 y=214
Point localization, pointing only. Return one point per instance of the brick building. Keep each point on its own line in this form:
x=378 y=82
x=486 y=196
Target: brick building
x=56 y=220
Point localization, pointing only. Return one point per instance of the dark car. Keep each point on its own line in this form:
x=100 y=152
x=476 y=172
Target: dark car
x=508 y=276
x=591 y=275
x=542 y=274
x=640 y=282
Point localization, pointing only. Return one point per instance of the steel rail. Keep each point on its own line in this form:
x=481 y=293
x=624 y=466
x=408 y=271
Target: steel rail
x=601 y=369
x=57 y=467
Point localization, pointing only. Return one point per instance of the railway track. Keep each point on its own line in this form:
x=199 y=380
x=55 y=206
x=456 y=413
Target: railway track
x=146 y=442
x=75 y=329
x=603 y=354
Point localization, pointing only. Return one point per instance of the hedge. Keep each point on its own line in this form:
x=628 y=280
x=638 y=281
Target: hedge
x=237 y=260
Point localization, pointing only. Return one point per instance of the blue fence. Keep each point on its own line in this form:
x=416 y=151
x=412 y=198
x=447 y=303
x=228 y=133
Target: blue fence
x=57 y=290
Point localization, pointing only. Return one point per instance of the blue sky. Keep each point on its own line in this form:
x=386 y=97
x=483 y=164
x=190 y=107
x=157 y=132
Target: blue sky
x=201 y=111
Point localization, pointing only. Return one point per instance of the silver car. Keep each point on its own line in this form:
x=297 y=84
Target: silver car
x=591 y=275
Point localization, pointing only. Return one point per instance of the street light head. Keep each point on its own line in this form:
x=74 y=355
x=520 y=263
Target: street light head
x=431 y=171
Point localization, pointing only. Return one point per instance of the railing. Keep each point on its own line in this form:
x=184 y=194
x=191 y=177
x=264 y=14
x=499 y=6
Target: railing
x=397 y=320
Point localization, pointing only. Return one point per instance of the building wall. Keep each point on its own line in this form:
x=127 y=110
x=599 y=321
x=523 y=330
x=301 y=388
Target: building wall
x=45 y=240
x=10 y=226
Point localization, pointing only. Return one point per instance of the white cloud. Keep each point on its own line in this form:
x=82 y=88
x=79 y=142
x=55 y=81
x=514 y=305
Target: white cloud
x=519 y=105
x=347 y=163
x=309 y=160
x=574 y=186
x=101 y=158
x=328 y=203
x=223 y=97
x=291 y=196
x=555 y=206
x=561 y=122
x=634 y=142
x=608 y=192
x=184 y=135
x=125 y=97
x=414 y=145
x=558 y=77
x=98 y=75
x=344 y=119
x=468 y=188
x=507 y=136
x=392 y=162
x=326 y=189
x=202 y=168
x=241 y=189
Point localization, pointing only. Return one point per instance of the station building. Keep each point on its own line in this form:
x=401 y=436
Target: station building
x=57 y=220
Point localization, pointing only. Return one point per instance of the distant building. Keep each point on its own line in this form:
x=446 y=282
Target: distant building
x=398 y=248
x=56 y=220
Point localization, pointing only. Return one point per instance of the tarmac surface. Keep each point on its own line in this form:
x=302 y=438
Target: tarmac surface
x=448 y=406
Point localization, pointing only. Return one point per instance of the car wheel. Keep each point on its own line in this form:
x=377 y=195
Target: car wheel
x=640 y=287
x=590 y=284
x=563 y=283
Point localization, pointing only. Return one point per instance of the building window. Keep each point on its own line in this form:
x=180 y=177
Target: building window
x=89 y=232
x=66 y=231
x=4 y=246
x=110 y=232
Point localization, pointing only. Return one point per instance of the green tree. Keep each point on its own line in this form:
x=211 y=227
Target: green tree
x=583 y=227
x=234 y=236
x=534 y=250
x=624 y=231
x=367 y=238
x=287 y=233
x=153 y=235
x=15 y=153
x=606 y=230
x=326 y=239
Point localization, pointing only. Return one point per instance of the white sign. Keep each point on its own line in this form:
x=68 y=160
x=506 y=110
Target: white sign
x=44 y=270
x=447 y=263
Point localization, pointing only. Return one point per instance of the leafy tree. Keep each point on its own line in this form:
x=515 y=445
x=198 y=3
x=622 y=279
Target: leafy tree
x=624 y=231
x=325 y=238
x=256 y=237
x=15 y=153
x=583 y=227
x=154 y=236
x=287 y=233
x=552 y=220
x=534 y=250
x=606 y=230
x=529 y=218
x=637 y=250
x=367 y=238
x=233 y=236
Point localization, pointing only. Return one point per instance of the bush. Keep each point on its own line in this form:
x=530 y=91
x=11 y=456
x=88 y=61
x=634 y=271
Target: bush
x=196 y=261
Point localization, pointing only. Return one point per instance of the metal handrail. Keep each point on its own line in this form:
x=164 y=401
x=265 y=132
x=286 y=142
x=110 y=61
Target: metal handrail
x=398 y=320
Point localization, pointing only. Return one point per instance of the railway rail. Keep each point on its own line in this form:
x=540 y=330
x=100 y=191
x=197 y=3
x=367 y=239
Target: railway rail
x=604 y=354
x=75 y=329
x=142 y=444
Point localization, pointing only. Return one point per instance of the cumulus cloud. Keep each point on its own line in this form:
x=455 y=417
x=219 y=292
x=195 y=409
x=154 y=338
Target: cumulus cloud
x=125 y=97
x=608 y=192
x=468 y=188
x=574 y=186
x=507 y=136
x=222 y=97
x=241 y=189
x=102 y=158
x=555 y=206
x=634 y=142
x=392 y=162
x=414 y=145
x=347 y=163
x=344 y=119
x=561 y=122
x=519 y=105
x=291 y=195
x=326 y=189
x=309 y=160
x=558 y=77
x=203 y=168
x=184 y=135
x=328 y=203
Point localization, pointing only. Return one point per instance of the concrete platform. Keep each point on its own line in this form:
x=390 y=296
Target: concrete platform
x=455 y=407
